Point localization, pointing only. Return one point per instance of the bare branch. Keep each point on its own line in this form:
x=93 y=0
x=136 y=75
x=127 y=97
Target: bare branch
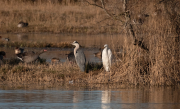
x=103 y=7
x=130 y=29
x=93 y=4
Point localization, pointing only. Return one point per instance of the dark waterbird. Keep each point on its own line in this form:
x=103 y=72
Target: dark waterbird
x=22 y=24
x=98 y=54
x=28 y=57
x=4 y=39
x=19 y=50
x=70 y=57
x=55 y=60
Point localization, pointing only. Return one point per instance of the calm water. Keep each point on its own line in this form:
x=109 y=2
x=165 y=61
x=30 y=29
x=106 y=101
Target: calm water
x=92 y=42
x=54 y=52
x=144 y=98
x=97 y=40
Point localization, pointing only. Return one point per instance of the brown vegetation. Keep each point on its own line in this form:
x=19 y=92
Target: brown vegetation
x=155 y=61
x=40 y=73
x=50 y=16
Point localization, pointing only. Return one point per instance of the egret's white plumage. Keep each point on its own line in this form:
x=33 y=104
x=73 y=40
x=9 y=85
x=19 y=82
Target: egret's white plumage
x=106 y=57
x=79 y=56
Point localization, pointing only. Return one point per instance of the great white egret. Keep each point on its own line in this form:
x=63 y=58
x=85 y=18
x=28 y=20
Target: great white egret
x=106 y=57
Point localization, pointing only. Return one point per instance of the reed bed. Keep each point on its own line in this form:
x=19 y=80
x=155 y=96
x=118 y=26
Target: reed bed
x=159 y=64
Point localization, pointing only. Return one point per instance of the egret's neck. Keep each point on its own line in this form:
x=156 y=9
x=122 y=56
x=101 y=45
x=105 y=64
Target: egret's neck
x=75 y=49
x=106 y=48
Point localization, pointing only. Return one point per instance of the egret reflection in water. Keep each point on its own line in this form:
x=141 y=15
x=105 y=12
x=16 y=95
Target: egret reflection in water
x=106 y=99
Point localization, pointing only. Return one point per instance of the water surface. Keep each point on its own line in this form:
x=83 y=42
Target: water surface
x=92 y=43
x=134 y=98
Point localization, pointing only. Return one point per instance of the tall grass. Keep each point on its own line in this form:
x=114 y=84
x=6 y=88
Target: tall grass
x=49 y=16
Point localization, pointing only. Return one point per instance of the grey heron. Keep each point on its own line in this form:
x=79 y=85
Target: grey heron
x=106 y=57
x=79 y=56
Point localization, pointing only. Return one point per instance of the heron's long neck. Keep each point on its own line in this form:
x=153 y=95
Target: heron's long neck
x=75 y=49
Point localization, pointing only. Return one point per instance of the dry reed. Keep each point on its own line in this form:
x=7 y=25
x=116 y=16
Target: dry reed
x=49 y=16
